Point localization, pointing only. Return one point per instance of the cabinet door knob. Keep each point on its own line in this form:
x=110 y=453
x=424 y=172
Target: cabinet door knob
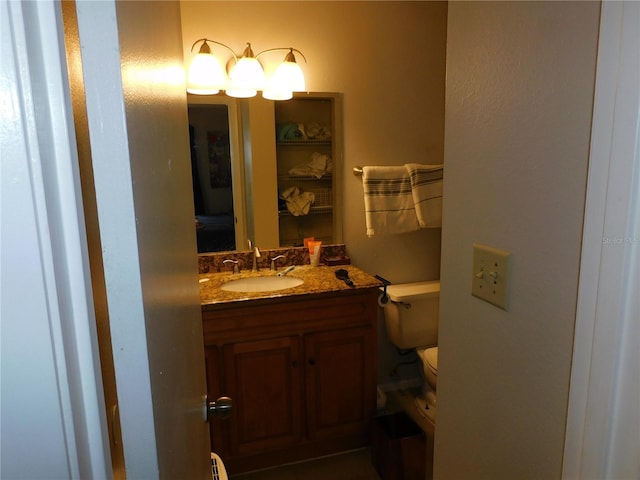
x=312 y=361
x=294 y=364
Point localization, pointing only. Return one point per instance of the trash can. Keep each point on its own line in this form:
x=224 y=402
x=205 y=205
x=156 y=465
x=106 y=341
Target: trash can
x=398 y=448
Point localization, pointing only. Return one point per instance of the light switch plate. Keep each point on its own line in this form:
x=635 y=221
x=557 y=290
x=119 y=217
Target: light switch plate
x=491 y=276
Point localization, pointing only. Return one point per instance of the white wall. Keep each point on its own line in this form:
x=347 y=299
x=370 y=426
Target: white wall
x=520 y=82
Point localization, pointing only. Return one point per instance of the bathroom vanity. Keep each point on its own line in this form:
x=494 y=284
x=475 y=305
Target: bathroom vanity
x=299 y=363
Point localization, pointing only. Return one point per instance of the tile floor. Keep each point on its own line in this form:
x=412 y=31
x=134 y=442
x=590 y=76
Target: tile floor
x=354 y=465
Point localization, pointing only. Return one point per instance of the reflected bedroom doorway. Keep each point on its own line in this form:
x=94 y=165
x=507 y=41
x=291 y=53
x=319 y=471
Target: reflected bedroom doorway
x=212 y=178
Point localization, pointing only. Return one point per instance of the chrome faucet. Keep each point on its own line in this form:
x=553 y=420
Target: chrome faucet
x=236 y=268
x=273 y=261
x=256 y=255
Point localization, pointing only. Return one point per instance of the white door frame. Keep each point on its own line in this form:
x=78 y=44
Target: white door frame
x=53 y=415
x=603 y=426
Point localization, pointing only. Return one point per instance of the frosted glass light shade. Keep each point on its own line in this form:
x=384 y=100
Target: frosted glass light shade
x=289 y=76
x=247 y=74
x=206 y=76
x=274 y=92
x=240 y=92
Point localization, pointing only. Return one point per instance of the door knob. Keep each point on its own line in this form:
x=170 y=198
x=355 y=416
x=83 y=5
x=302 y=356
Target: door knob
x=221 y=408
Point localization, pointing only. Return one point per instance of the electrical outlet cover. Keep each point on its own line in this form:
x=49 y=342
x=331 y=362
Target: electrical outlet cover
x=491 y=276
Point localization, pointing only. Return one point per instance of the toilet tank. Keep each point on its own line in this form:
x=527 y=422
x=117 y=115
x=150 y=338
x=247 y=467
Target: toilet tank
x=411 y=314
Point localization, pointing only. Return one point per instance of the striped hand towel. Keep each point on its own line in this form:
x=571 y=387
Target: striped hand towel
x=388 y=201
x=426 y=189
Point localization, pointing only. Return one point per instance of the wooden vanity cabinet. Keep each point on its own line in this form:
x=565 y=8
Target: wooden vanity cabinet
x=301 y=373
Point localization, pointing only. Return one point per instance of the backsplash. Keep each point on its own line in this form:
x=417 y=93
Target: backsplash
x=213 y=262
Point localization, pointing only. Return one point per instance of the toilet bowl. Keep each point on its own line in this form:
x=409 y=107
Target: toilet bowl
x=411 y=320
x=429 y=358
x=426 y=402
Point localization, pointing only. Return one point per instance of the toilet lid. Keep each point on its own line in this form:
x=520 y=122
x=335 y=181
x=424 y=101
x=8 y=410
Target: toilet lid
x=429 y=357
x=411 y=292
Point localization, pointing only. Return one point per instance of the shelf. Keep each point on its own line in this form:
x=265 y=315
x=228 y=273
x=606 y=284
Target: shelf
x=313 y=210
x=288 y=143
x=305 y=178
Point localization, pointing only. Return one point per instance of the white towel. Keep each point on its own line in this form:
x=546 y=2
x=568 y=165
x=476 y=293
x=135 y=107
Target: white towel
x=298 y=203
x=388 y=202
x=426 y=189
x=317 y=166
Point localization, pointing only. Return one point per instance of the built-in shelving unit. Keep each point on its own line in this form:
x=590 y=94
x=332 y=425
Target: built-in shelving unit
x=311 y=162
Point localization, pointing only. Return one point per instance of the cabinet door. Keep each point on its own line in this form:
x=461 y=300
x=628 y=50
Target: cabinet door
x=340 y=368
x=264 y=378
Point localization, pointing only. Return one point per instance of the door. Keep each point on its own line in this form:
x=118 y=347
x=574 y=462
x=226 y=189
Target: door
x=265 y=380
x=137 y=127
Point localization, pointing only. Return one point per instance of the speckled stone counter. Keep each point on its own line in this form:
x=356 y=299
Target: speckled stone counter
x=214 y=262
x=317 y=280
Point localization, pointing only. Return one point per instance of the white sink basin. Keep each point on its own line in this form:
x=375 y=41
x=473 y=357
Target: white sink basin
x=261 y=284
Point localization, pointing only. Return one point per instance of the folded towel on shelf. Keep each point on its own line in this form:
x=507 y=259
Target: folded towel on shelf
x=318 y=165
x=316 y=131
x=388 y=201
x=290 y=131
x=426 y=190
x=298 y=203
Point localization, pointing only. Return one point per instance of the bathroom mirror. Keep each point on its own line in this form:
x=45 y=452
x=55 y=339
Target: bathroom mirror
x=217 y=172
x=242 y=164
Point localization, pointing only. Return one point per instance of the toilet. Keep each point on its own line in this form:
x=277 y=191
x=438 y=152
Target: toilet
x=411 y=314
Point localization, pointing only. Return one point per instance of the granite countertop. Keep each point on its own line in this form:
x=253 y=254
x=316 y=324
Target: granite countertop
x=317 y=280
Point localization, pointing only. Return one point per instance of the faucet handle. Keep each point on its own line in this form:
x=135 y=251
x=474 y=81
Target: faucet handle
x=236 y=268
x=273 y=261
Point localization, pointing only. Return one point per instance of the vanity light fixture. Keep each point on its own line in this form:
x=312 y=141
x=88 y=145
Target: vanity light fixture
x=246 y=76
